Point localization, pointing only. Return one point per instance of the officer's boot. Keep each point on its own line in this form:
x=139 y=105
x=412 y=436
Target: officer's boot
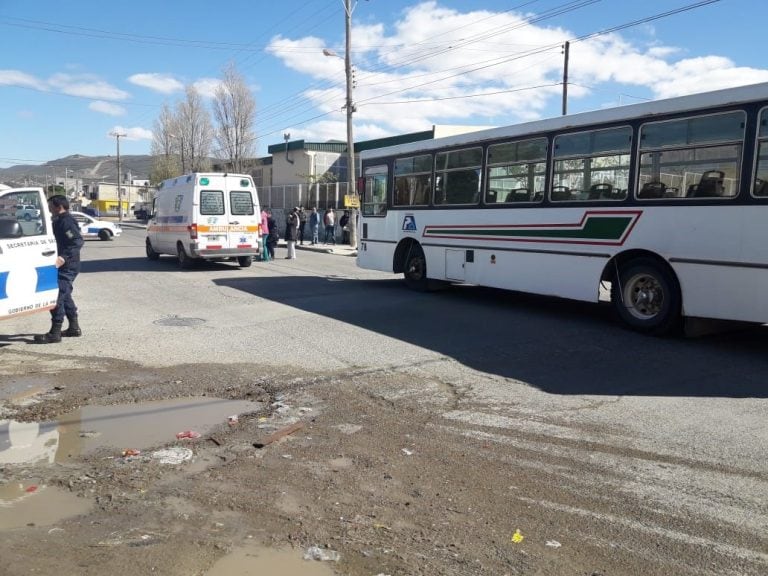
x=51 y=337
x=73 y=330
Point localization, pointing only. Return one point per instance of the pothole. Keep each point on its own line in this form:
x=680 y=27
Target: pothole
x=253 y=560
x=30 y=504
x=123 y=426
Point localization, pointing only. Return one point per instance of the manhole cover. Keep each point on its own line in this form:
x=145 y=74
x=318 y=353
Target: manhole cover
x=178 y=321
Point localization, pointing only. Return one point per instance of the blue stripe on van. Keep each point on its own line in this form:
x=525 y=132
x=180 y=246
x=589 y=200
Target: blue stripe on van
x=3 y=282
x=47 y=278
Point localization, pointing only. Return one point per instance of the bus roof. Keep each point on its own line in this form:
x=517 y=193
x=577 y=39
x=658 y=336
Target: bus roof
x=691 y=102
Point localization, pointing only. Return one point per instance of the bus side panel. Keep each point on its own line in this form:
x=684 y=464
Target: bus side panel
x=377 y=249
x=577 y=277
x=28 y=276
x=722 y=272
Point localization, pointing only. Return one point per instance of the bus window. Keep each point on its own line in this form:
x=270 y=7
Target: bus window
x=696 y=158
x=375 y=191
x=592 y=165
x=457 y=176
x=516 y=171
x=413 y=181
x=760 y=185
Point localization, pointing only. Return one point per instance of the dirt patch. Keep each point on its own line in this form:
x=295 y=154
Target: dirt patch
x=375 y=472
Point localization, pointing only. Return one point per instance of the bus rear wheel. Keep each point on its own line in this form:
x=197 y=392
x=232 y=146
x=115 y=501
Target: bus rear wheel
x=646 y=296
x=415 y=269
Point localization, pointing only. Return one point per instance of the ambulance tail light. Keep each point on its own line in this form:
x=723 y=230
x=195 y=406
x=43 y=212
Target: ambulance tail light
x=192 y=231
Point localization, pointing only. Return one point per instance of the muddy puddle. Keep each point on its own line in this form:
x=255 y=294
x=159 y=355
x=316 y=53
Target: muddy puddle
x=254 y=560
x=31 y=504
x=137 y=426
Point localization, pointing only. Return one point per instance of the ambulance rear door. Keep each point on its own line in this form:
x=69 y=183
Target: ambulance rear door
x=244 y=215
x=28 y=277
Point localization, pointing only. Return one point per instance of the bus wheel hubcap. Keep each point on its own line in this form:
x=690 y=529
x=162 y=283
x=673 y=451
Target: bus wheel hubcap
x=643 y=296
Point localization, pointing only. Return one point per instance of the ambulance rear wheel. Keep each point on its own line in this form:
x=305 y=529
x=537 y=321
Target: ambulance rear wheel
x=184 y=260
x=244 y=261
x=151 y=254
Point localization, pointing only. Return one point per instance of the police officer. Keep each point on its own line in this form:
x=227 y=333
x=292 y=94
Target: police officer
x=68 y=244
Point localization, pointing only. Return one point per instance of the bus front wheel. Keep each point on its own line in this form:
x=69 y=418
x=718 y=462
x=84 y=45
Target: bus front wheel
x=415 y=269
x=646 y=296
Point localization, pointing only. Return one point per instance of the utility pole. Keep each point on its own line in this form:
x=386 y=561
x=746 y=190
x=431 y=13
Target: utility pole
x=351 y=187
x=566 y=48
x=117 y=136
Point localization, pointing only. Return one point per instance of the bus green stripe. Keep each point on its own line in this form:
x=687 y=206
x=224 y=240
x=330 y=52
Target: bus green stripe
x=602 y=228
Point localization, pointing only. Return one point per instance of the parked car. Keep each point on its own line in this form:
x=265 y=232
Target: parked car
x=27 y=212
x=90 y=211
x=93 y=228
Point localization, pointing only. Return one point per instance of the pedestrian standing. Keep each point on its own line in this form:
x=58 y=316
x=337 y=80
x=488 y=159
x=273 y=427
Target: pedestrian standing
x=329 y=219
x=264 y=236
x=302 y=224
x=69 y=241
x=291 y=232
x=273 y=235
x=314 y=225
x=344 y=223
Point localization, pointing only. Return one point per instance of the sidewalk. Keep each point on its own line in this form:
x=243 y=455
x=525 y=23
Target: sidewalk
x=337 y=249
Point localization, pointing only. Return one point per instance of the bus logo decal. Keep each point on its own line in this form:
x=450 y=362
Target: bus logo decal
x=598 y=227
x=409 y=223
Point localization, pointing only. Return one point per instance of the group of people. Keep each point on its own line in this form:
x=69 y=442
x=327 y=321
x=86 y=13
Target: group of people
x=295 y=229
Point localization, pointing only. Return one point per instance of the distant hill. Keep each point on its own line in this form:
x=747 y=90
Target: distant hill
x=85 y=168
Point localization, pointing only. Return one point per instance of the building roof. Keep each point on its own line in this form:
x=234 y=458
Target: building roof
x=340 y=147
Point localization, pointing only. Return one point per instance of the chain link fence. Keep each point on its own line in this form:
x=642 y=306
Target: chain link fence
x=321 y=196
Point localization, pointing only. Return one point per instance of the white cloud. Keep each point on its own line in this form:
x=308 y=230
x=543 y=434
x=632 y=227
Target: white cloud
x=82 y=85
x=106 y=108
x=206 y=87
x=513 y=70
x=163 y=83
x=22 y=79
x=86 y=86
x=135 y=133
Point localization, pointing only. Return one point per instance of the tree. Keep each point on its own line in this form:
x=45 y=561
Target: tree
x=166 y=149
x=192 y=127
x=234 y=110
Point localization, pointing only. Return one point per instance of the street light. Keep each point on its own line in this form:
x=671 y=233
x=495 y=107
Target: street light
x=350 y=106
x=117 y=136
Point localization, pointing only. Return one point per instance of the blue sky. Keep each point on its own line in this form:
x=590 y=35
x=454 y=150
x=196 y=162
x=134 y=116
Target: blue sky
x=72 y=72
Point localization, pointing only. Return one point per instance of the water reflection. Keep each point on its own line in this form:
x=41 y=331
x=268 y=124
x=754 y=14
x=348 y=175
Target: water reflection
x=140 y=426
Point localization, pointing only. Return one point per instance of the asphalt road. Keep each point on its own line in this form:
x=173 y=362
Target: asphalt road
x=681 y=420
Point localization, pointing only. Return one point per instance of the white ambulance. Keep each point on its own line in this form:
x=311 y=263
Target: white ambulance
x=206 y=216
x=28 y=277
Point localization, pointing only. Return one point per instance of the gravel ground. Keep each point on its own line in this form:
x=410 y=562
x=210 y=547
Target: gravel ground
x=400 y=471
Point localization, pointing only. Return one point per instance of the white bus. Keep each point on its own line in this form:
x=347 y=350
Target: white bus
x=666 y=201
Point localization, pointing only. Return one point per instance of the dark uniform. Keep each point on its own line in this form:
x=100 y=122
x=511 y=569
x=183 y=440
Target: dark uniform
x=69 y=241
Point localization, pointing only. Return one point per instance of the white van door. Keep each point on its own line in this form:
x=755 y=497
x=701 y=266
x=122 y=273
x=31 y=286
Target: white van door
x=244 y=215
x=28 y=277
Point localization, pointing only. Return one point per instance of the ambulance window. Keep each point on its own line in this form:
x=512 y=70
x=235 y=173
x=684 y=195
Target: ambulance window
x=24 y=207
x=241 y=202
x=211 y=202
